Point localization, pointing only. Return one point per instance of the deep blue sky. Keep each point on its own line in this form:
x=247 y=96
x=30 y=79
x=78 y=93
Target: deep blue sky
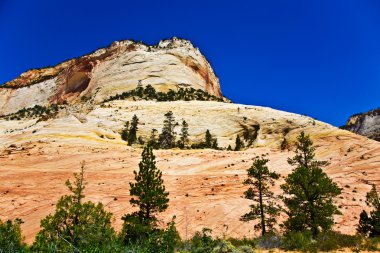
x=320 y=58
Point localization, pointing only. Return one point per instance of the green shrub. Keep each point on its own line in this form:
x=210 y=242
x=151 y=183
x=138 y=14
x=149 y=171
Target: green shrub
x=298 y=241
x=11 y=239
x=331 y=240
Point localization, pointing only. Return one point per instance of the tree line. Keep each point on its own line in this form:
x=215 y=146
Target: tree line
x=167 y=139
x=308 y=202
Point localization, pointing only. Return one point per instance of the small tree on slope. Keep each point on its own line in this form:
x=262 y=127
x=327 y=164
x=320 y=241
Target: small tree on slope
x=369 y=225
x=309 y=192
x=148 y=195
x=76 y=226
x=265 y=209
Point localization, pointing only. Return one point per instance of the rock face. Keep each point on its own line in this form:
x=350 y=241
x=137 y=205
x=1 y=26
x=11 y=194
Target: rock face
x=108 y=71
x=38 y=154
x=366 y=124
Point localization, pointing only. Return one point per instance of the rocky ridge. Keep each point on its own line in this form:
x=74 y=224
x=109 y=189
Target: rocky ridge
x=366 y=124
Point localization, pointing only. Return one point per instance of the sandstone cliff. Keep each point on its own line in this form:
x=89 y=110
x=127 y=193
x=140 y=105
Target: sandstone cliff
x=108 y=71
x=366 y=124
x=41 y=148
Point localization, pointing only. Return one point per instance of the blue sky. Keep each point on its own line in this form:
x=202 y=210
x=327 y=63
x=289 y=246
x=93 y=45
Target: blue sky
x=320 y=58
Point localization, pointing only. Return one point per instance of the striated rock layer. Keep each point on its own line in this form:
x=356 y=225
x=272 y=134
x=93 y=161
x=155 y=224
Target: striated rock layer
x=42 y=147
x=108 y=71
x=366 y=124
x=205 y=185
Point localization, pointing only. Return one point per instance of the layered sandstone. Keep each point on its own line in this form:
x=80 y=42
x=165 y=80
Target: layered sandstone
x=38 y=154
x=170 y=64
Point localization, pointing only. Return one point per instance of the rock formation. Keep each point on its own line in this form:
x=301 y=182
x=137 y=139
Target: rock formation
x=366 y=124
x=41 y=147
x=108 y=71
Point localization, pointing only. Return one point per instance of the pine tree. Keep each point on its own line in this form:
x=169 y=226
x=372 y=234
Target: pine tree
x=369 y=225
x=132 y=136
x=229 y=148
x=260 y=179
x=153 y=142
x=76 y=226
x=208 y=139
x=184 y=135
x=125 y=132
x=148 y=195
x=167 y=136
x=309 y=192
x=238 y=144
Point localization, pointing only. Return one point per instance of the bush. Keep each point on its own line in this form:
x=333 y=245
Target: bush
x=331 y=240
x=11 y=239
x=269 y=241
x=298 y=241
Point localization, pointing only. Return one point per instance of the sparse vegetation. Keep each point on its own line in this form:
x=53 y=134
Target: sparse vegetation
x=40 y=112
x=149 y=93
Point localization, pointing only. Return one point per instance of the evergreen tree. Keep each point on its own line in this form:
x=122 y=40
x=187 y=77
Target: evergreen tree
x=148 y=195
x=153 y=142
x=184 y=135
x=229 y=148
x=11 y=239
x=369 y=225
x=125 y=132
x=132 y=136
x=167 y=136
x=215 y=143
x=260 y=179
x=76 y=226
x=238 y=144
x=309 y=192
x=208 y=139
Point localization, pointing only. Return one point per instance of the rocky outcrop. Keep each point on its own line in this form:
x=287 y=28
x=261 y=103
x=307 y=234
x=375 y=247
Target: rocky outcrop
x=171 y=64
x=366 y=124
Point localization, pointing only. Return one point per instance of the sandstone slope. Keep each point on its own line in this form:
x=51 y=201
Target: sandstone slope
x=205 y=185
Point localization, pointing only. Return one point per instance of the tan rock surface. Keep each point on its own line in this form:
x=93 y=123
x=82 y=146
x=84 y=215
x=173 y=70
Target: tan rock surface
x=108 y=71
x=205 y=185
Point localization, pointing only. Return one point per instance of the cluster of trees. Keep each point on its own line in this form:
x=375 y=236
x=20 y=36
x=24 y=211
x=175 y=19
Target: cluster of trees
x=308 y=202
x=149 y=93
x=167 y=139
x=34 y=112
x=308 y=199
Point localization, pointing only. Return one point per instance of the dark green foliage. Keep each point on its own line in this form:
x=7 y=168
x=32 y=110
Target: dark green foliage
x=11 y=239
x=238 y=143
x=149 y=196
x=125 y=132
x=149 y=93
x=325 y=241
x=129 y=132
x=229 y=148
x=132 y=136
x=153 y=140
x=167 y=136
x=202 y=242
x=208 y=139
x=265 y=209
x=309 y=192
x=184 y=135
x=76 y=226
x=369 y=225
x=298 y=241
x=41 y=112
